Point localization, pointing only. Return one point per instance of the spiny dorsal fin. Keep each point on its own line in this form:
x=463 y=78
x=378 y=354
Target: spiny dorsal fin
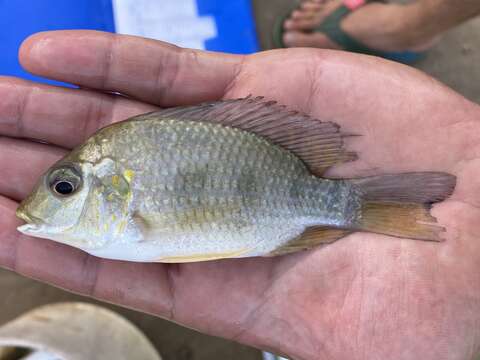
x=319 y=144
x=311 y=237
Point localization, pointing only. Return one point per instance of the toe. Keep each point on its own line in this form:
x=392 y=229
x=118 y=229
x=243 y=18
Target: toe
x=300 y=39
x=300 y=24
x=310 y=14
x=311 y=5
x=298 y=15
x=316 y=1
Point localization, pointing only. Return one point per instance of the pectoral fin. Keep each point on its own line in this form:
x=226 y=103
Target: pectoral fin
x=310 y=238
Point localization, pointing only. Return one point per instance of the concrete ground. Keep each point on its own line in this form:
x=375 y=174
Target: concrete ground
x=454 y=61
x=19 y=294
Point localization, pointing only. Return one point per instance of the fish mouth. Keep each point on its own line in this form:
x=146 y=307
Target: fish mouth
x=30 y=229
x=33 y=224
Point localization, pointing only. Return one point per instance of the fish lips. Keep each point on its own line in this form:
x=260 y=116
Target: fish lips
x=30 y=229
x=33 y=224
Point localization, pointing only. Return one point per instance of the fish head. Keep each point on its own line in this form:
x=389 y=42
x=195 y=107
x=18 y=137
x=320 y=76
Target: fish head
x=55 y=206
x=80 y=203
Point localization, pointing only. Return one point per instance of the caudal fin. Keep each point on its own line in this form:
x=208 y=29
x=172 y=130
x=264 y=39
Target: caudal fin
x=399 y=205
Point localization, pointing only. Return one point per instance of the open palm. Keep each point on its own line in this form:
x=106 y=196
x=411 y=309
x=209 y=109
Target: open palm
x=365 y=296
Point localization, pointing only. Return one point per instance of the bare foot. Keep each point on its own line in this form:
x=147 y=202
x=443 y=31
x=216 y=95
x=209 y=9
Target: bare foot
x=377 y=25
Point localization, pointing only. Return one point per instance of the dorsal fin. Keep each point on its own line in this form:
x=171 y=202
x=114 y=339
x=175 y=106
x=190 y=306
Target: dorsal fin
x=319 y=144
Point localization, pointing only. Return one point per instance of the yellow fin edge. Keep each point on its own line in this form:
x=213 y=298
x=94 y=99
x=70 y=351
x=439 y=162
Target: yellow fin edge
x=201 y=257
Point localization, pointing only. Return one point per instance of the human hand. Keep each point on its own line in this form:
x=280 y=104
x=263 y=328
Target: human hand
x=365 y=296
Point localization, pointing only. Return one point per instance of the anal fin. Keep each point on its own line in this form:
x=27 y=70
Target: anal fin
x=311 y=237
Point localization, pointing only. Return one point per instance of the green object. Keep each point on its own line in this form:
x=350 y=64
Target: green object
x=331 y=27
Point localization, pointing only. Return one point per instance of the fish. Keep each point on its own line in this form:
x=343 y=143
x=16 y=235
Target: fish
x=225 y=179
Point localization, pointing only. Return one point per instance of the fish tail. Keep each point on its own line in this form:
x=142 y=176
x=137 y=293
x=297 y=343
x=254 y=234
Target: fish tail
x=399 y=205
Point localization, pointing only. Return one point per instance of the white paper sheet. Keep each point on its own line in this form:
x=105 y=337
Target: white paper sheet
x=174 y=21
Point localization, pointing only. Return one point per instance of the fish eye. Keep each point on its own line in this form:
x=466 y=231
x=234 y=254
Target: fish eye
x=64 y=181
x=63 y=187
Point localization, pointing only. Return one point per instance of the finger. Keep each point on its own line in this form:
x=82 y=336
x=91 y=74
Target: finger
x=142 y=286
x=60 y=116
x=22 y=163
x=149 y=70
x=8 y=238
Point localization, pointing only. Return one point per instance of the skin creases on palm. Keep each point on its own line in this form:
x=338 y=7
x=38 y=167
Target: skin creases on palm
x=366 y=294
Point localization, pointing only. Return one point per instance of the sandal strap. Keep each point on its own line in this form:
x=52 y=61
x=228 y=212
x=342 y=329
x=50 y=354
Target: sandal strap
x=331 y=27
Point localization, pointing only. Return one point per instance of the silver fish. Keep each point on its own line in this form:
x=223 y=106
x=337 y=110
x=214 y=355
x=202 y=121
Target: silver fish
x=228 y=179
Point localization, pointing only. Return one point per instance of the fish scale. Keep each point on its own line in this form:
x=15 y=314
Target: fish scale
x=197 y=152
